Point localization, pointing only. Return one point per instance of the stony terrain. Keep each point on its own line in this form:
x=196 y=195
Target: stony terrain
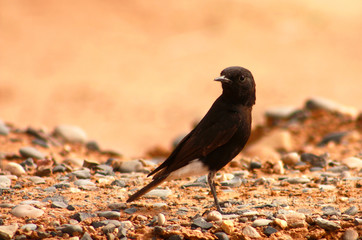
x=300 y=177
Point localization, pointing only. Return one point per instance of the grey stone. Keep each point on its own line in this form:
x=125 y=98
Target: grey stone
x=118 y=183
x=63 y=184
x=158 y=193
x=30 y=152
x=57 y=204
x=29 y=227
x=26 y=211
x=86 y=236
x=175 y=237
x=314 y=160
x=350 y=234
x=5 y=182
x=221 y=236
x=98 y=224
x=109 y=228
x=298 y=180
x=105 y=170
x=251 y=232
x=109 y=214
x=234 y=183
x=82 y=174
x=4 y=130
x=327 y=225
x=261 y=222
x=84 y=182
x=59 y=168
x=81 y=216
x=269 y=231
x=255 y=165
x=353 y=210
x=37 y=180
x=70 y=229
x=330 y=210
x=131 y=166
x=202 y=223
x=117 y=206
x=50 y=189
x=130 y=210
x=7 y=232
x=283 y=112
x=71 y=133
x=330 y=106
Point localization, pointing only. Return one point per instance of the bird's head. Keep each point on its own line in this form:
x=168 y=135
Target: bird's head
x=238 y=85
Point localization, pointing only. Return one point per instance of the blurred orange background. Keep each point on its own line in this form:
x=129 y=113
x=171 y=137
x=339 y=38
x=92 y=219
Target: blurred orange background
x=135 y=74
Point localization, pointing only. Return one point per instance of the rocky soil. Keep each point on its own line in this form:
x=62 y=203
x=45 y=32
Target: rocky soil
x=300 y=177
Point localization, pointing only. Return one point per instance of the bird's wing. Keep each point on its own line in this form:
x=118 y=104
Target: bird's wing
x=213 y=131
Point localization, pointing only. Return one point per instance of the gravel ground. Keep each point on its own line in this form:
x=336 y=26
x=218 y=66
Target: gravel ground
x=300 y=177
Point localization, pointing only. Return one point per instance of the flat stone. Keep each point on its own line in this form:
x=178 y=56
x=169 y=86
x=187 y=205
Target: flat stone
x=26 y=211
x=7 y=232
x=57 y=204
x=353 y=210
x=269 y=231
x=282 y=112
x=70 y=229
x=332 y=137
x=30 y=152
x=330 y=211
x=158 y=193
x=327 y=225
x=37 y=180
x=110 y=214
x=261 y=222
x=81 y=216
x=202 y=223
x=327 y=187
x=82 y=174
x=314 y=160
x=298 y=180
x=221 y=236
x=5 y=182
x=70 y=133
x=353 y=163
x=14 y=168
x=331 y=106
x=251 y=232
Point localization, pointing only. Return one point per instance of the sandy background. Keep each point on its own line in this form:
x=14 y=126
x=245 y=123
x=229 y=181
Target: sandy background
x=134 y=74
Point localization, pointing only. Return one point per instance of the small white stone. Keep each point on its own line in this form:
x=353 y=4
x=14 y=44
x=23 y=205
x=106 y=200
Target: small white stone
x=214 y=216
x=14 y=168
x=161 y=219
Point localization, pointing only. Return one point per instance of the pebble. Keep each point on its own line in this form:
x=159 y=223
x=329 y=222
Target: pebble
x=327 y=225
x=30 y=152
x=332 y=137
x=4 y=130
x=295 y=219
x=70 y=133
x=202 y=223
x=82 y=174
x=251 y=232
x=29 y=227
x=26 y=211
x=351 y=211
x=227 y=226
x=70 y=229
x=280 y=113
x=59 y=168
x=159 y=205
x=161 y=219
x=331 y=106
x=86 y=236
x=269 y=231
x=353 y=163
x=118 y=183
x=298 y=180
x=131 y=166
x=14 y=168
x=57 y=204
x=117 y=206
x=233 y=183
x=214 y=216
x=330 y=210
x=350 y=234
x=327 y=187
x=5 y=182
x=278 y=168
x=109 y=228
x=261 y=222
x=221 y=236
x=314 y=160
x=291 y=158
x=37 y=180
x=255 y=165
x=162 y=193
x=81 y=216
x=7 y=232
x=110 y=214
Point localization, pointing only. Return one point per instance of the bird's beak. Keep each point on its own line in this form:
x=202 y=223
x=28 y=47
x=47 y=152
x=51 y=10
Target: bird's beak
x=222 y=79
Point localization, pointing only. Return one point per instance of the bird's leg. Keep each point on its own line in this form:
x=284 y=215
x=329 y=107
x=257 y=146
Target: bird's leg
x=210 y=179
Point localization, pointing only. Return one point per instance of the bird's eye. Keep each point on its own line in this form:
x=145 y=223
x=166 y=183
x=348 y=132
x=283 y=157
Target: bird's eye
x=242 y=77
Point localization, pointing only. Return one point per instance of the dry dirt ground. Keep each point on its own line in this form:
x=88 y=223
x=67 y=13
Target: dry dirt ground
x=299 y=177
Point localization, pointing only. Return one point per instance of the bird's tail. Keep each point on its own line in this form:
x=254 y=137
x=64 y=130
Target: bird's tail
x=147 y=188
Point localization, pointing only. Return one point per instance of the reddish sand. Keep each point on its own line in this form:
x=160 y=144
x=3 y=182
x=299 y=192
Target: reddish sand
x=134 y=74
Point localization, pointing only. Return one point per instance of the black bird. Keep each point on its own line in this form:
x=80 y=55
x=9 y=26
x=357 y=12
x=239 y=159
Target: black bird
x=217 y=138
